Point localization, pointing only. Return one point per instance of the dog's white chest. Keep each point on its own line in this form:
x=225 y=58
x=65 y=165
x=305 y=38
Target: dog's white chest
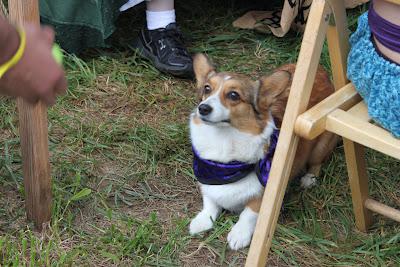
x=226 y=144
x=233 y=197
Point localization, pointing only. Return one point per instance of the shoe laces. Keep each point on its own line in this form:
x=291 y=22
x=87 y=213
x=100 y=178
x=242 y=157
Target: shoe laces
x=174 y=39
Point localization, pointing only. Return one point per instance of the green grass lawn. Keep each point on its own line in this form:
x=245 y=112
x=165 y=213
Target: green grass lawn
x=123 y=187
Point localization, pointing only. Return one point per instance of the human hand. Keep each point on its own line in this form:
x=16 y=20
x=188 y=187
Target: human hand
x=36 y=76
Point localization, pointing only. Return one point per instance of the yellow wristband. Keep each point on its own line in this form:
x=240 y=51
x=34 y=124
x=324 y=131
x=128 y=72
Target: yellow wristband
x=17 y=56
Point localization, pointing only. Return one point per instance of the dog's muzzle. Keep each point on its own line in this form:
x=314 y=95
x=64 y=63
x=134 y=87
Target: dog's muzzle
x=205 y=109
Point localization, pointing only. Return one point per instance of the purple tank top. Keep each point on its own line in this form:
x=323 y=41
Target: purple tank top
x=387 y=33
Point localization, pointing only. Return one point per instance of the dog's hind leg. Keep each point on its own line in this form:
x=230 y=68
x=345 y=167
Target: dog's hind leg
x=310 y=178
x=326 y=143
x=323 y=148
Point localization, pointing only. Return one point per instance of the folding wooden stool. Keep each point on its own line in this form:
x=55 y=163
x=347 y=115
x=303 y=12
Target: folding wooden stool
x=343 y=113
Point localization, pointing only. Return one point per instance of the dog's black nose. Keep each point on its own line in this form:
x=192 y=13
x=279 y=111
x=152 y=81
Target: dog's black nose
x=205 y=109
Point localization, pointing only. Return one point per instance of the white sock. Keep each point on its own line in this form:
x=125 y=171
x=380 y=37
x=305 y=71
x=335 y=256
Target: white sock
x=159 y=19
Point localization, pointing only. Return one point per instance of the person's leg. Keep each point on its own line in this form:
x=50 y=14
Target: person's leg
x=160 y=5
x=159 y=14
x=162 y=43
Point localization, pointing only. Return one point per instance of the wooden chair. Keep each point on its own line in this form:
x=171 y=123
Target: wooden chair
x=343 y=113
x=33 y=135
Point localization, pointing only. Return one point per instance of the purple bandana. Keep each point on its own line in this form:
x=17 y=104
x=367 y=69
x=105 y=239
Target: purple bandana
x=217 y=173
x=387 y=33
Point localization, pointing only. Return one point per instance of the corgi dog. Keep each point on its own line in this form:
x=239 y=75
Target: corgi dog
x=234 y=131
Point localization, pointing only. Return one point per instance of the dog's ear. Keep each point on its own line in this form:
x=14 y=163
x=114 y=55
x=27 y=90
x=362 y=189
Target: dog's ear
x=203 y=69
x=272 y=87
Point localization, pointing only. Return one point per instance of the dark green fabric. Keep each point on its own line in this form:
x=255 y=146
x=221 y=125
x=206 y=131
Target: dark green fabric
x=81 y=23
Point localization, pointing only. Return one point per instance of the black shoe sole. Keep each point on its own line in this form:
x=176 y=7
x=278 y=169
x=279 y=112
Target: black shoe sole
x=175 y=71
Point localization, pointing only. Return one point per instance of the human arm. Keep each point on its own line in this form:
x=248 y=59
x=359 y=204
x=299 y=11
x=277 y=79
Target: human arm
x=36 y=75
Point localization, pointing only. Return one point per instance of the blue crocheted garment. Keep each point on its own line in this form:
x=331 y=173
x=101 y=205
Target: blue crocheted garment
x=375 y=78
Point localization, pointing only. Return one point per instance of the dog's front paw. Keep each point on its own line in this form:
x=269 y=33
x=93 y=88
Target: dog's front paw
x=202 y=222
x=240 y=236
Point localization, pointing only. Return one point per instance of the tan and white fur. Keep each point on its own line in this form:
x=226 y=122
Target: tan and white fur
x=234 y=121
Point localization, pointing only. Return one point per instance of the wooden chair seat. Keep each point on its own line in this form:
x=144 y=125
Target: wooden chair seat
x=345 y=114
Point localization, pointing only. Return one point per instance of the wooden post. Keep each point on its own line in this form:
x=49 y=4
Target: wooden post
x=33 y=134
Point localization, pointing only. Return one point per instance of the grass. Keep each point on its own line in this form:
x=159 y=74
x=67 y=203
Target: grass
x=123 y=187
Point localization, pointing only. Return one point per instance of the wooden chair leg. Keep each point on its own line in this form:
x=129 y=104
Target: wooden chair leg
x=358 y=179
x=303 y=80
x=338 y=43
x=33 y=134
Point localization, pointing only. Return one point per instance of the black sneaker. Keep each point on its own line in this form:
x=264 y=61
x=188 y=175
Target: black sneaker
x=165 y=48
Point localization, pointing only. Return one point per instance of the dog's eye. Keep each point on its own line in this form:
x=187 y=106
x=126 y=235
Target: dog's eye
x=234 y=96
x=207 y=89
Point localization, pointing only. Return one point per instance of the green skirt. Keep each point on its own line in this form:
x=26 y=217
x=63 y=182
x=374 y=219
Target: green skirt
x=81 y=24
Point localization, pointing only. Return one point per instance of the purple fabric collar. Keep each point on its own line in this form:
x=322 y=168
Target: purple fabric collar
x=387 y=33
x=217 y=173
